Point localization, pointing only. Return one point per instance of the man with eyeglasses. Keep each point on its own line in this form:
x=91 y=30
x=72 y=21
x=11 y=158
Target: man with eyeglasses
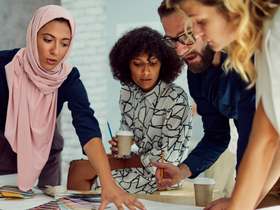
x=219 y=96
x=200 y=57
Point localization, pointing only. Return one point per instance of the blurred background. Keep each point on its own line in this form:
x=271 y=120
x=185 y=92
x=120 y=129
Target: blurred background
x=99 y=25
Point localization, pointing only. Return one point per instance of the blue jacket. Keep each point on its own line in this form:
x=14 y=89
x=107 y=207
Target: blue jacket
x=72 y=91
x=220 y=96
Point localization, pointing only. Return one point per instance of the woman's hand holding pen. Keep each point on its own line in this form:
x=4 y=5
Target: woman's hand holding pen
x=114 y=147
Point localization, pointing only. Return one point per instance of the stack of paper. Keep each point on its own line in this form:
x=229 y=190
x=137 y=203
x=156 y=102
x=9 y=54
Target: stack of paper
x=55 y=191
x=10 y=191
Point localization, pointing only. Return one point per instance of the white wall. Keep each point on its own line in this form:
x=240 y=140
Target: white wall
x=15 y=16
x=89 y=56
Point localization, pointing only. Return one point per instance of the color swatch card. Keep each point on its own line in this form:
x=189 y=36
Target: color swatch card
x=52 y=205
x=10 y=191
x=76 y=202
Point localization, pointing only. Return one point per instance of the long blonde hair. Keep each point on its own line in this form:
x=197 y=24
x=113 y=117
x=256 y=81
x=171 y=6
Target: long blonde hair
x=251 y=15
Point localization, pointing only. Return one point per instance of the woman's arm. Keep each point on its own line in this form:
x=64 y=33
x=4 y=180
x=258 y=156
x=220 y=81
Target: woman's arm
x=87 y=127
x=256 y=163
x=111 y=192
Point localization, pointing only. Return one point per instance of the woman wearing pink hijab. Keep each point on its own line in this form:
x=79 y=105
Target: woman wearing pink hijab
x=34 y=83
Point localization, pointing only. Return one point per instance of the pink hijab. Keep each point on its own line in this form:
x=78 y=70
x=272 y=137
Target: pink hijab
x=32 y=105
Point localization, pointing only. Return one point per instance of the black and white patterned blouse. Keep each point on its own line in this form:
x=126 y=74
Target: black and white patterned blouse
x=160 y=120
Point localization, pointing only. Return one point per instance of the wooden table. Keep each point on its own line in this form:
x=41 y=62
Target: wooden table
x=181 y=200
x=186 y=190
x=183 y=196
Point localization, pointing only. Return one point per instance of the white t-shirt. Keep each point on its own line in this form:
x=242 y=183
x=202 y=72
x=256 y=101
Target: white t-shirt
x=267 y=63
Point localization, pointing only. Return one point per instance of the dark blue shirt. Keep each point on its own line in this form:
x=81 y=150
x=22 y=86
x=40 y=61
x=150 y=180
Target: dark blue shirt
x=72 y=91
x=220 y=96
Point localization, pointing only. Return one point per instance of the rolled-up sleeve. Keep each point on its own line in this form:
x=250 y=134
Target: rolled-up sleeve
x=83 y=119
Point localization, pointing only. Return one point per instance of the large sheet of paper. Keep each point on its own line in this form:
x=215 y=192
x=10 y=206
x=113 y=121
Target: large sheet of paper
x=152 y=205
x=16 y=204
x=41 y=199
x=271 y=208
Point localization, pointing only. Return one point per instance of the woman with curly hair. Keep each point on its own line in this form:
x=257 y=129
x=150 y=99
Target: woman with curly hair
x=245 y=28
x=152 y=107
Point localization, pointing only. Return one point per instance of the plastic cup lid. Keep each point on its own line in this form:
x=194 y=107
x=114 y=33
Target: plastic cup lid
x=124 y=133
x=203 y=180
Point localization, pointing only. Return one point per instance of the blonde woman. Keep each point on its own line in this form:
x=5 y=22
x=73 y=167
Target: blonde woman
x=243 y=28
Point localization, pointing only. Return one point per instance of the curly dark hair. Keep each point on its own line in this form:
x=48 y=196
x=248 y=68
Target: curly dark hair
x=140 y=41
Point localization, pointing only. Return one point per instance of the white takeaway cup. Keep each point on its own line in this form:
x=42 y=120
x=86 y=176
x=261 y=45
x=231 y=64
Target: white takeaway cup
x=124 y=142
x=203 y=190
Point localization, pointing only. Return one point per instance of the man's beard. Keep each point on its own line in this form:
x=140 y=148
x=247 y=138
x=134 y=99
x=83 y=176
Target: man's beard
x=207 y=57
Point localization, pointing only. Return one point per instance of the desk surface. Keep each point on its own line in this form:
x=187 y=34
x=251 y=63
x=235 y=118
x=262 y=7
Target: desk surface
x=182 y=196
x=180 y=200
x=186 y=190
x=16 y=204
x=173 y=197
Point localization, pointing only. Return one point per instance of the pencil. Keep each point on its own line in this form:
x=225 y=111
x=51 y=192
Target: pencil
x=162 y=160
x=116 y=153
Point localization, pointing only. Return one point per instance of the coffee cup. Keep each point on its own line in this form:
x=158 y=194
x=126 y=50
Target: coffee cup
x=203 y=190
x=124 y=142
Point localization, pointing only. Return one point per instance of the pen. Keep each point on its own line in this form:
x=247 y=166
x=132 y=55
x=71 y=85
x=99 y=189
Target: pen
x=116 y=153
x=162 y=160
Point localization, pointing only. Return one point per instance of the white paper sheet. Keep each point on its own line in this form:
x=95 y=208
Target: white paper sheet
x=41 y=198
x=152 y=205
x=20 y=204
x=271 y=208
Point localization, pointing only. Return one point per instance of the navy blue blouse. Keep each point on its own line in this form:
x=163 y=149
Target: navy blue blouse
x=72 y=90
x=220 y=96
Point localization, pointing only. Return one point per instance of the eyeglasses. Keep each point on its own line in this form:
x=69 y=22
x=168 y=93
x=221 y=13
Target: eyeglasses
x=183 y=39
